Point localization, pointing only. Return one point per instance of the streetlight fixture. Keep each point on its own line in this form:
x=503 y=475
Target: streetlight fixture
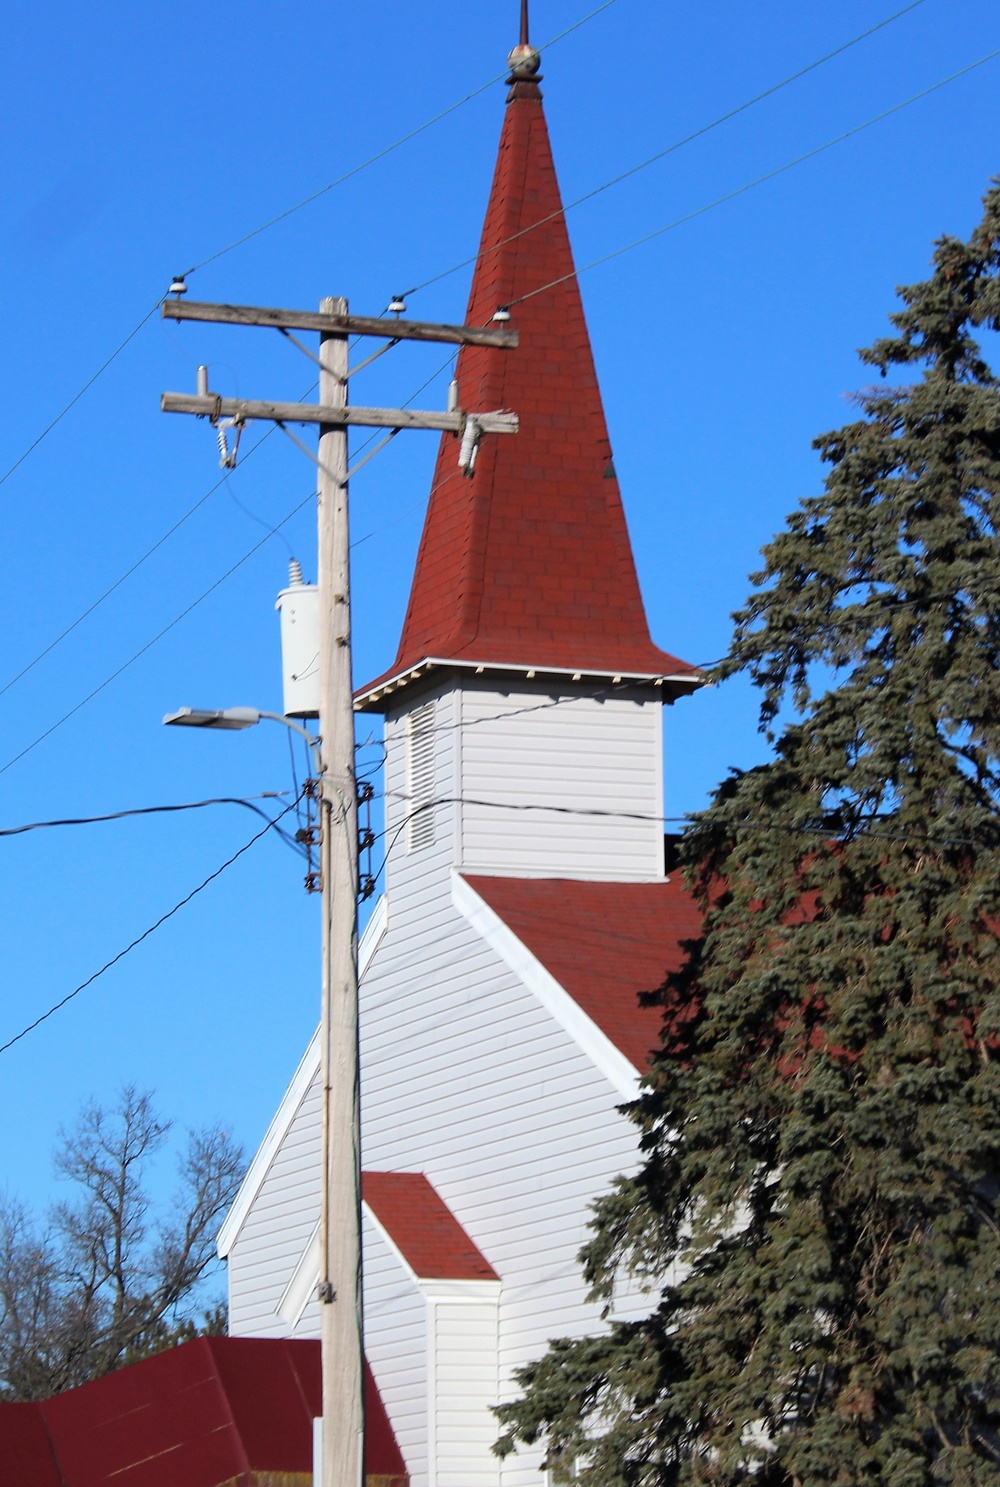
x=238 y=718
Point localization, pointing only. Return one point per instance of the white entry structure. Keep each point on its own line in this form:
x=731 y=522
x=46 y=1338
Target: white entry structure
x=526 y=901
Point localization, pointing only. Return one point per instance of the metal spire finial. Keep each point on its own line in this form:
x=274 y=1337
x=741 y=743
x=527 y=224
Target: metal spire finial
x=524 y=61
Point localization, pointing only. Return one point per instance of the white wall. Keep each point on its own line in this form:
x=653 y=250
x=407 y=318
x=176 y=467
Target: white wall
x=396 y=1342
x=468 y=1079
x=462 y=1359
x=277 y=1229
x=532 y=764
x=467 y=1076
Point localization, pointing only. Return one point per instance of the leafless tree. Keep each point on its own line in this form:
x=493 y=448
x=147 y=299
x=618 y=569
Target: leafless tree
x=105 y=1280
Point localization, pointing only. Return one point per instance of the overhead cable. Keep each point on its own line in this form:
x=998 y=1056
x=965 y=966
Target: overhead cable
x=149 y=810
x=78 y=395
x=280 y=217
x=759 y=180
x=827 y=833
x=671 y=149
x=381 y=154
x=157 y=637
x=625 y=175
x=272 y=531
x=57 y=1006
x=96 y=603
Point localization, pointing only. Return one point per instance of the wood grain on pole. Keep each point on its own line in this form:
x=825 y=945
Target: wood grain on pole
x=504 y=336
x=340 y=1282
x=334 y=416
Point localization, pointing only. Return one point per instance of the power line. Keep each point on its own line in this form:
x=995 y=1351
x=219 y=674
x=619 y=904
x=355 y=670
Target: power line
x=280 y=217
x=57 y=1006
x=157 y=637
x=149 y=810
x=670 y=149
x=862 y=832
x=770 y=175
x=732 y=113
x=185 y=612
x=96 y=604
x=78 y=395
x=759 y=180
x=381 y=154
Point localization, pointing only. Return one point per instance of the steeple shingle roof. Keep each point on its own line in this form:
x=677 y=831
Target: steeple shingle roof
x=528 y=564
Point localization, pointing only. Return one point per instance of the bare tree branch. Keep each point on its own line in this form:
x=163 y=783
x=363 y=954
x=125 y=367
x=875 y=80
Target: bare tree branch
x=105 y=1282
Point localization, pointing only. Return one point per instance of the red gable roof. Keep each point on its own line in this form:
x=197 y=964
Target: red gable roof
x=214 y=1410
x=423 y=1229
x=528 y=562
x=603 y=942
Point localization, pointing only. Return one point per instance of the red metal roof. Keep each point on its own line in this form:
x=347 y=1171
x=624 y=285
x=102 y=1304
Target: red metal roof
x=529 y=561
x=423 y=1228
x=214 y=1410
x=603 y=942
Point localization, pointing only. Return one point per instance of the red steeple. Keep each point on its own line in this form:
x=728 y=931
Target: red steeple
x=527 y=564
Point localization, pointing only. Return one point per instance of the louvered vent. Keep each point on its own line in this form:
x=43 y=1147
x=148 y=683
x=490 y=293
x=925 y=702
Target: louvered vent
x=420 y=771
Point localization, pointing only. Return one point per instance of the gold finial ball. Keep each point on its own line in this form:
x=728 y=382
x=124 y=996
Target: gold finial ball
x=524 y=61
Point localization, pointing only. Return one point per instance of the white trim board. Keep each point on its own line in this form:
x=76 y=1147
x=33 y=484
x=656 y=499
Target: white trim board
x=291 y=1100
x=609 y=1060
x=302 y=1287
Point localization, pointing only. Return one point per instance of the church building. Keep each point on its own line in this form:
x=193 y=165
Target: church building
x=527 y=900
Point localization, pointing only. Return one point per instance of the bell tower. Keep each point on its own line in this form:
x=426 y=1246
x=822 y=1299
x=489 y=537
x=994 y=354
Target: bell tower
x=523 y=709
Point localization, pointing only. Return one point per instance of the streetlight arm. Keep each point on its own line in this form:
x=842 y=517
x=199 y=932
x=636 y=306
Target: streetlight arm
x=310 y=738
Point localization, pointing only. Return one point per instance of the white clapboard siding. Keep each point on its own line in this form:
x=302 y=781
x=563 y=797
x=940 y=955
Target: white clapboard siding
x=396 y=1344
x=467 y=1075
x=269 y=1226
x=468 y=1079
x=463 y=1363
x=546 y=760
x=277 y=1229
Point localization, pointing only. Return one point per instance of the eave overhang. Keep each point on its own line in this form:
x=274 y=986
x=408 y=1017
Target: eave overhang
x=381 y=694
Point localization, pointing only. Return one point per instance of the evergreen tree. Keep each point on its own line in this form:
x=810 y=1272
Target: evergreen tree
x=817 y=1210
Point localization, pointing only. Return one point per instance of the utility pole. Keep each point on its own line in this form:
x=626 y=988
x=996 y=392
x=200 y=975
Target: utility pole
x=340 y=1243
x=339 y=1288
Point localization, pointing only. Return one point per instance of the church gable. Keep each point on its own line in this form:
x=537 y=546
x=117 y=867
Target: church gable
x=526 y=904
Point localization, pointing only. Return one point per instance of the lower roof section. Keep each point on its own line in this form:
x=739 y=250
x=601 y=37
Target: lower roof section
x=423 y=1229
x=214 y=1410
x=605 y=943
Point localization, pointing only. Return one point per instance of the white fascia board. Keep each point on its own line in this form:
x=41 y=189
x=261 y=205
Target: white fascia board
x=292 y=1099
x=461 y=1290
x=690 y=680
x=302 y=1287
x=609 y=1060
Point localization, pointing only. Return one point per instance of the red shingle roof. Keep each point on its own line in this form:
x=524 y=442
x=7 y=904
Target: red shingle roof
x=603 y=942
x=423 y=1228
x=529 y=561
x=218 y=1409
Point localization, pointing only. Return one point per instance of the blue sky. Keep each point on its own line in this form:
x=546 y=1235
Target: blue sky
x=141 y=140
